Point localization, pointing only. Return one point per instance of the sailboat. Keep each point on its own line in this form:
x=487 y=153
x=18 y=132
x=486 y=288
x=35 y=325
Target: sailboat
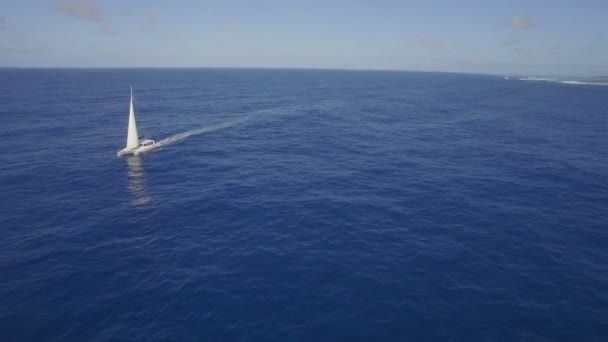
x=134 y=144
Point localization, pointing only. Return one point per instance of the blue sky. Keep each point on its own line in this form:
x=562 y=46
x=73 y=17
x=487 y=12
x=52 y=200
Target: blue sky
x=543 y=37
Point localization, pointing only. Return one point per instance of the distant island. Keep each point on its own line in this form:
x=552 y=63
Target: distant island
x=601 y=79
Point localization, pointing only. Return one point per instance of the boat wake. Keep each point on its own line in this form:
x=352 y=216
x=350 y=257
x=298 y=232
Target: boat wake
x=220 y=126
x=184 y=135
x=265 y=113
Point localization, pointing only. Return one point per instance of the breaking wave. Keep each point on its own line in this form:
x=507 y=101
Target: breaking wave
x=601 y=82
x=583 y=82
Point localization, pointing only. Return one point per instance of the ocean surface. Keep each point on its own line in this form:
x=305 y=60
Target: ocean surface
x=302 y=205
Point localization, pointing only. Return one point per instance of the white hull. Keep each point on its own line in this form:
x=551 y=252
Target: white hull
x=137 y=150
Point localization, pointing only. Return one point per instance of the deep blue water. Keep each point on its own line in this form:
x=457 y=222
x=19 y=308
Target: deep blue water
x=302 y=205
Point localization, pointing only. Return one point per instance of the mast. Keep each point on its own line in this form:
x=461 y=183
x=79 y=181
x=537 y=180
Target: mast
x=132 y=136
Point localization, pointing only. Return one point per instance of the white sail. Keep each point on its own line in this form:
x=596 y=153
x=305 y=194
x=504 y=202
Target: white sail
x=132 y=136
x=134 y=146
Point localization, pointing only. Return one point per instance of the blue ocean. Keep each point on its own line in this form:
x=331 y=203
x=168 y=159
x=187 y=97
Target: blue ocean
x=302 y=205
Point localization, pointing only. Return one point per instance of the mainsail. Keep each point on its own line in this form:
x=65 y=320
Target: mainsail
x=132 y=136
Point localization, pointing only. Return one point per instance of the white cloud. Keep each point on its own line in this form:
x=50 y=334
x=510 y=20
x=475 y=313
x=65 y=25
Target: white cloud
x=85 y=10
x=588 y=50
x=512 y=42
x=107 y=29
x=521 y=22
x=17 y=50
x=426 y=41
x=150 y=22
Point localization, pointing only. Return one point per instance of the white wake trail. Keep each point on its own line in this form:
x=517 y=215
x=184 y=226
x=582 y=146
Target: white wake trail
x=181 y=136
x=272 y=112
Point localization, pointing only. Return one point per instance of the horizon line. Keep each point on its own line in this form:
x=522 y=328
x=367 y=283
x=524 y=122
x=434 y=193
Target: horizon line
x=292 y=68
x=254 y=67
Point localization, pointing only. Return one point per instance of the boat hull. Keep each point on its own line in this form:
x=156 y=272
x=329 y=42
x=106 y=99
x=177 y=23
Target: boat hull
x=137 y=150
